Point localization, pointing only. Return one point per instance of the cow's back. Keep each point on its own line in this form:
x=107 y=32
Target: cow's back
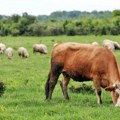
x=79 y=53
x=83 y=59
x=70 y=49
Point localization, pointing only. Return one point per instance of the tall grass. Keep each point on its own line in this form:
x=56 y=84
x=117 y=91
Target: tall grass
x=24 y=79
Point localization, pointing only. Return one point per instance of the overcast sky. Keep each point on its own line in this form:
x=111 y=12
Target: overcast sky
x=45 y=7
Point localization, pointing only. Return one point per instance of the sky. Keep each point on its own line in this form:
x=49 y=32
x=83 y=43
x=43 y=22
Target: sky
x=46 y=7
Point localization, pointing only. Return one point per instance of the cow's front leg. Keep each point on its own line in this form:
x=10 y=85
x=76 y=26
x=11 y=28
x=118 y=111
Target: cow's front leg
x=97 y=89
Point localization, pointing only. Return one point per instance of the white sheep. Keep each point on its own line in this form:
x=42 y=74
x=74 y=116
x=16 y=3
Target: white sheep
x=108 y=44
x=112 y=45
x=9 y=52
x=2 y=48
x=23 y=52
x=41 y=48
x=95 y=43
x=116 y=45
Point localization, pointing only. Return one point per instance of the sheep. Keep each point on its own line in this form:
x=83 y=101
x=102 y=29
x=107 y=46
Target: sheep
x=41 y=48
x=23 y=52
x=112 y=45
x=116 y=45
x=108 y=44
x=9 y=52
x=95 y=43
x=2 y=48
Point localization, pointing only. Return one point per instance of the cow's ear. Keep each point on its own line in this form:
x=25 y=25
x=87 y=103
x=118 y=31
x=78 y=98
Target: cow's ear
x=110 y=88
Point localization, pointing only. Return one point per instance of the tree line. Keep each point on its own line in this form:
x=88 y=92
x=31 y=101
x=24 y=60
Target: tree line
x=61 y=23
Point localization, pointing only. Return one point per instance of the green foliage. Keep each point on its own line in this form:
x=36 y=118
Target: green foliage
x=55 y=28
x=14 y=18
x=62 y=23
x=16 y=25
x=64 y=15
x=116 y=13
x=69 y=28
x=37 y=29
x=2 y=17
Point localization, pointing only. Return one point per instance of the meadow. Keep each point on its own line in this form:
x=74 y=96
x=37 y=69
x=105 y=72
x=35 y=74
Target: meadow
x=24 y=97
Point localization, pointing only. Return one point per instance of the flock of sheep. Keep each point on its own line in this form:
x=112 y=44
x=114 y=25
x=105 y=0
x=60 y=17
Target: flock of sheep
x=109 y=44
x=42 y=48
x=22 y=51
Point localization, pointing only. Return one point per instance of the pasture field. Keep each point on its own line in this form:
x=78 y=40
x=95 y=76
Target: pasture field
x=24 y=97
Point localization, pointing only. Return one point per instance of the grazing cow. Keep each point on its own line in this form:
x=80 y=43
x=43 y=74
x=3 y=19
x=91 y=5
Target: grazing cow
x=84 y=62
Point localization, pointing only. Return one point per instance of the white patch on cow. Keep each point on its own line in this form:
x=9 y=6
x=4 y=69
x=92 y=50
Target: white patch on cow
x=117 y=90
x=118 y=100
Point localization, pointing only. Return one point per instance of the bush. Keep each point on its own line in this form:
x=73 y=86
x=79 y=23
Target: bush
x=55 y=30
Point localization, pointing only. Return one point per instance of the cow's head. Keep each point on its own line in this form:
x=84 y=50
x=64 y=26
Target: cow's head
x=115 y=89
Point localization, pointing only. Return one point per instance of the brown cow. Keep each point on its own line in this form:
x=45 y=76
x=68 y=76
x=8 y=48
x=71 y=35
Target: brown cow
x=84 y=62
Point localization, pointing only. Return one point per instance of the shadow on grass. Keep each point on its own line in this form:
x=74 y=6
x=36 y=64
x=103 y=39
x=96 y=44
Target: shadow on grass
x=2 y=88
x=82 y=89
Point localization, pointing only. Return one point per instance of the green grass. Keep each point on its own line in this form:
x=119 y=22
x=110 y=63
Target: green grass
x=25 y=79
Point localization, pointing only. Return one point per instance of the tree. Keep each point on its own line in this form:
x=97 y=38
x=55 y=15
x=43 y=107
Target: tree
x=37 y=29
x=116 y=13
x=15 y=18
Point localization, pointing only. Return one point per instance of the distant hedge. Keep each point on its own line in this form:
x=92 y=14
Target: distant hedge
x=28 y=25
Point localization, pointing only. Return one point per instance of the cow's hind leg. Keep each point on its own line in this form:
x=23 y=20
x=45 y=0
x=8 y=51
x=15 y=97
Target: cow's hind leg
x=64 y=84
x=47 y=86
x=52 y=80
x=96 y=82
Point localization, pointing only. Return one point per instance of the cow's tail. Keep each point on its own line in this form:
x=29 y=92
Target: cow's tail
x=47 y=86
